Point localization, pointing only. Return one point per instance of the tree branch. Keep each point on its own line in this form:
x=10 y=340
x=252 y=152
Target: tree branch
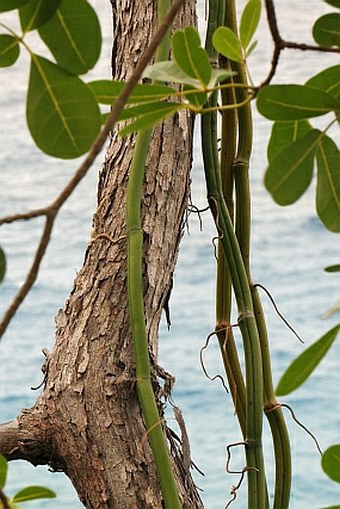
x=25 y=438
x=280 y=44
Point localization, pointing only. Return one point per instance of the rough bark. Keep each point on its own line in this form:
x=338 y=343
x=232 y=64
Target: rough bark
x=87 y=421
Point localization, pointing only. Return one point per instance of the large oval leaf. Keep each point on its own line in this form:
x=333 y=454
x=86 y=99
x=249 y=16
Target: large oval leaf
x=32 y=493
x=249 y=21
x=285 y=133
x=290 y=172
x=330 y=462
x=2 y=270
x=328 y=184
x=36 y=12
x=62 y=113
x=228 y=44
x=326 y=30
x=9 y=50
x=327 y=80
x=73 y=35
x=10 y=5
x=190 y=56
x=107 y=91
x=3 y=471
x=294 y=102
x=302 y=367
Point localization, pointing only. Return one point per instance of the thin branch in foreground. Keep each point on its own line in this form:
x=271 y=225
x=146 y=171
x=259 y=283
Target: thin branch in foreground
x=31 y=276
x=52 y=210
x=280 y=44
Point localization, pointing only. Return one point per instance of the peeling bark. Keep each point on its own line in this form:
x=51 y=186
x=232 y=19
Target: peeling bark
x=87 y=421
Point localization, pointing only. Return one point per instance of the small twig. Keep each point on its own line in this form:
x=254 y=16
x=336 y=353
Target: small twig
x=31 y=276
x=52 y=210
x=285 y=321
x=280 y=44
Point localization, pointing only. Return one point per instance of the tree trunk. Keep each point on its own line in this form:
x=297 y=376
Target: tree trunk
x=87 y=421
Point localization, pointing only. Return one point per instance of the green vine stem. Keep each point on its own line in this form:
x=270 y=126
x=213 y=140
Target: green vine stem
x=257 y=496
x=223 y=280
x=136 y=304
x=273 y=412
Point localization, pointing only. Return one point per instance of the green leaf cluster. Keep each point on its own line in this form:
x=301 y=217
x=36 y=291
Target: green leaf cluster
x=63 y=115
x=234 y=47
x=25 y=494
x=295 y=146
x=150 y=103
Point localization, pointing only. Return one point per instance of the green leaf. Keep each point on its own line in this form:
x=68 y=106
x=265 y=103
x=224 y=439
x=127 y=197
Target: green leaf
x=146 y=108
x=219 y=75
x=10 y=5
x=36 y=12
x=326 y=30
x=302 y=367
x=333 y=268
x=251 y=48
x=169 y=71
x=107 y=91
x=327 y=80
x=284 y=134
x=73 y=35
x=328 y=184
x=330 y=462
x=290 y=172
x=32 y=493
x=3 y=470
x=9 y=50
x=294 y=102
x=197 y=99
x=228 y=44
x=150 y=118
x=2 y=266
x=249 y=21
x=189 y=55
x=62 y=113
x=335 y=3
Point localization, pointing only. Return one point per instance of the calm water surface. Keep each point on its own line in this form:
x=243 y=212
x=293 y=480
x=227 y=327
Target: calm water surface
x=290 y=249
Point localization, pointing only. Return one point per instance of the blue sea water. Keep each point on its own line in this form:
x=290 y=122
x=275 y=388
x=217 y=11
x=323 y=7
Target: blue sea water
x=289 y=250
